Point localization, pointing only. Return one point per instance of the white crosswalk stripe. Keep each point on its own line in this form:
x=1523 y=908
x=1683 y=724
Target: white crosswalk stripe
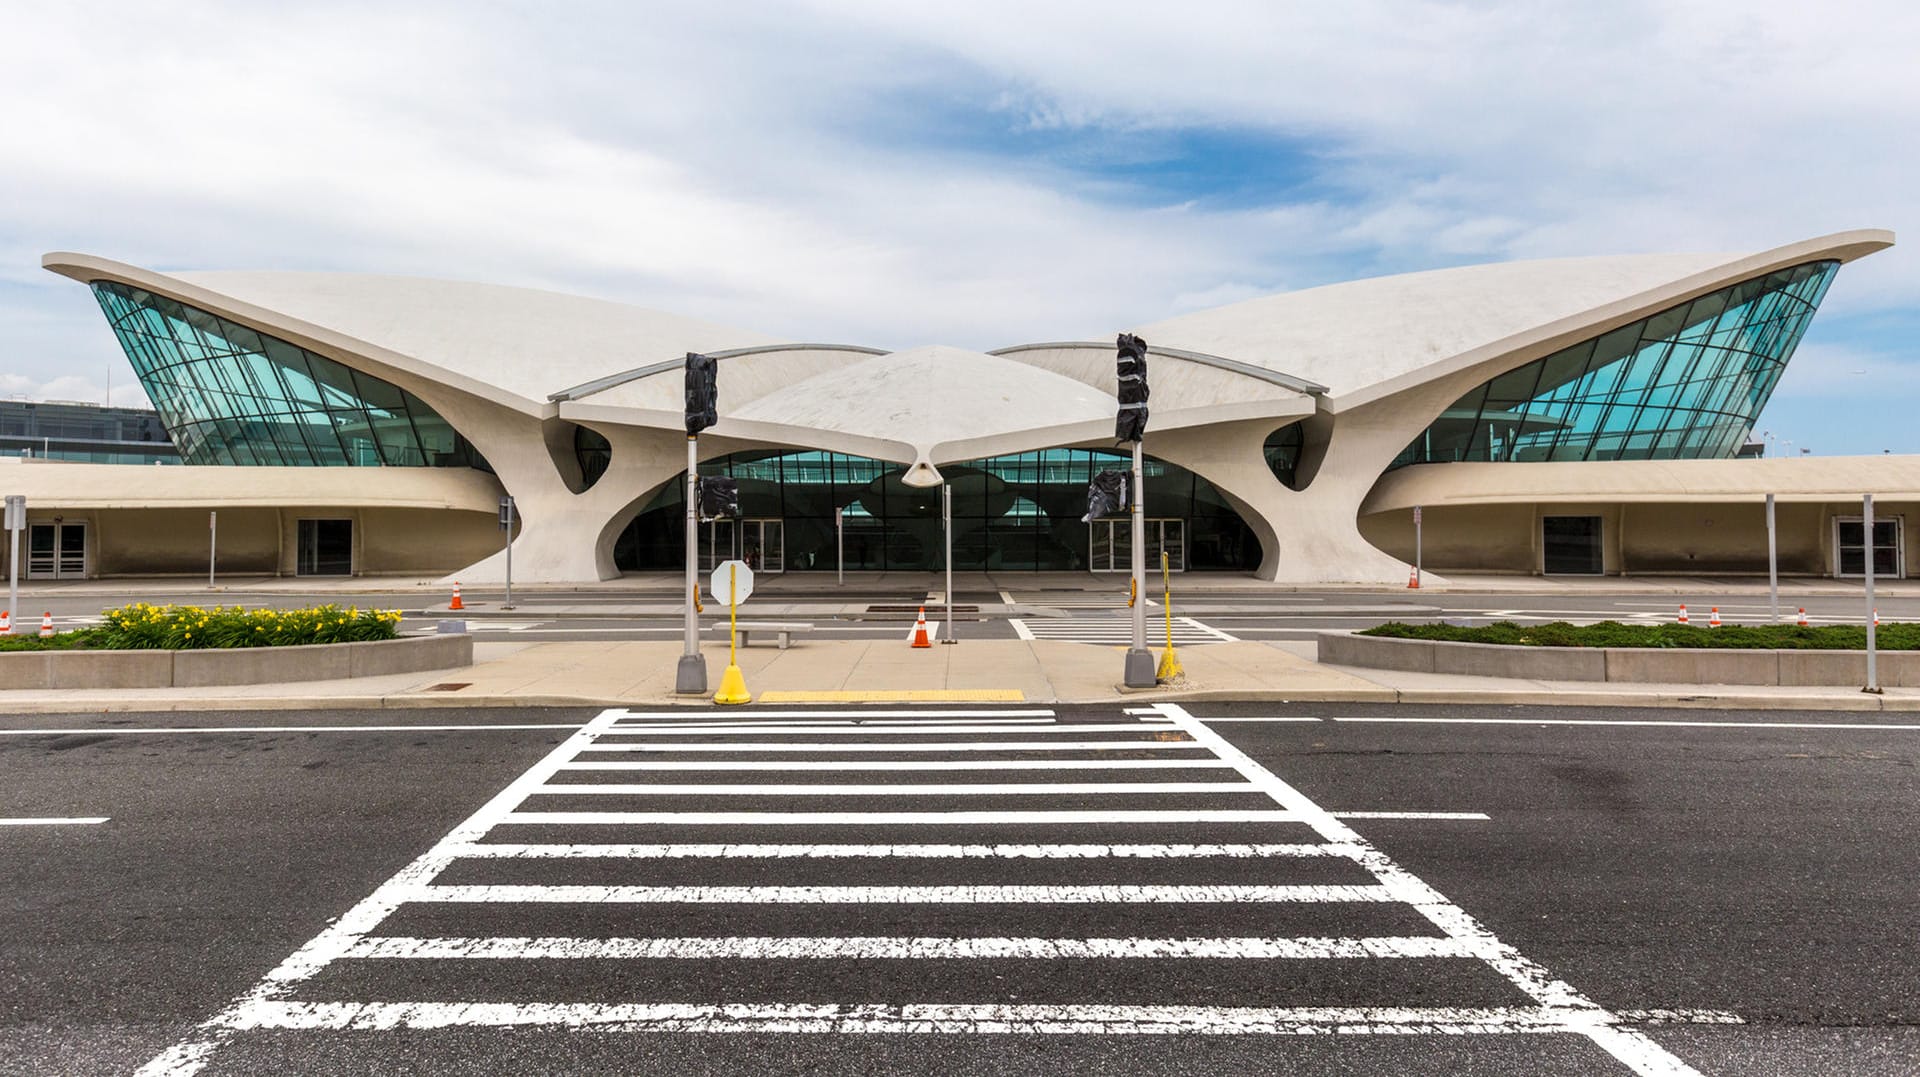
x=1117 y=631
x=1251 y=849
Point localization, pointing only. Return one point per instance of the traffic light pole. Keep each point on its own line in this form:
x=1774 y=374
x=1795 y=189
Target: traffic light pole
x=1140 y=665
x=691 y=678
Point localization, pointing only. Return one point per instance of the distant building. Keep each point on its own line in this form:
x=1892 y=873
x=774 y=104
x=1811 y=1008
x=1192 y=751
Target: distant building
x=90 y=433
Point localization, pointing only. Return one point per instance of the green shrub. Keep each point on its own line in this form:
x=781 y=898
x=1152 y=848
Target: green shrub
x=144 y=627
x=1890 y=637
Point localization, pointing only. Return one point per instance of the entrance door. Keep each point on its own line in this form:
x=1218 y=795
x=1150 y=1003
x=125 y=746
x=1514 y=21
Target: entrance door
x=1110 y=544
x=1571 y=545
x=325 y=548
x=57 y=551
x=759 y=541
x=1850 y=547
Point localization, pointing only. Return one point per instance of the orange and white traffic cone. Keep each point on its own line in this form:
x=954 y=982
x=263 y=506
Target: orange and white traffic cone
x=1413 y=578
x=1713 y=617
x=1876 y=618
x=46 y=625
x=920 y=630
x=1683 y=613
x=1803 y=617
x=455 y=604
x=6 y=623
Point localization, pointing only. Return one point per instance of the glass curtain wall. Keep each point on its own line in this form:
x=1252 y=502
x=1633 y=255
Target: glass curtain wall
x=229 y=395
x=1685 y=384
x=1010 y=513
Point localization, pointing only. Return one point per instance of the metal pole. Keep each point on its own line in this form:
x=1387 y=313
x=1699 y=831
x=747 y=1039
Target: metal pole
x=213 y=544
x=1773 y=567
x=1140 y=668
x=840 y=546
x=509 y=602
x=16 y=521
x=1417 y=546
x=946 y=520
x=691 y=678
x=1866 y=524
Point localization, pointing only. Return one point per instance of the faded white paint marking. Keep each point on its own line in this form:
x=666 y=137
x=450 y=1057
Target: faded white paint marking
x=876 y=818
x=282 y=729
x=51 y=821
x=890 y=948
x=1463 y=815
x=897 y=895
x=1208 y=629
x=921 y=746
x=910 y=789
x=1006 y=598
x=885 y=1018
x=1273 y=718
x=1020 y=629
x=875 y=725
x=902 y=764
x=1638 y=722
x=1680 y=1017
x=868 y=712
x=512 y=850
x=775 y=729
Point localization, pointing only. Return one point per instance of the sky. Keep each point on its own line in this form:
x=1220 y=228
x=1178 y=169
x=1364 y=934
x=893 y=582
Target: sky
x=976 y=174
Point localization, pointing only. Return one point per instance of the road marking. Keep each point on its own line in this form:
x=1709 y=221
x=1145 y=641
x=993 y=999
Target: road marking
x=903 y=764
x=1020 y=629
x=1006 y=599
x=922 y=746
x=1471 y=815
x=510 y=850
x=902 y=948
x=900 y=895
x=1634 y=722
x=871 y=725
x=773 y=729
x=925 y=1018
x=49 y=821
x=282 y=729
x=862 y=714
x=909 y=695
x=876 y=818
x=1197 y=626
x=924 y=789
x=1275 y=718
x=1103 y=630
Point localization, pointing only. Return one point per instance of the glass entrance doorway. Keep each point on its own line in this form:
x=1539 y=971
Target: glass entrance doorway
x=759 y=541
x=1570 y=545
x=57 y=550
x=325 y=548
x=1110 y=544
x=1850 y=546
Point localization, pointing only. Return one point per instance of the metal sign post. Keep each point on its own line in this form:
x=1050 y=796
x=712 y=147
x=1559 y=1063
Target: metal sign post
x=213 y=544
x=840 y=546
x=1866 y=523
x=506 y=524
x=946 y=521
x=16 y=521
x=1417 y=549
x=691 y=678
x=1773 y=568
x=1140 y=665
x=735 y=579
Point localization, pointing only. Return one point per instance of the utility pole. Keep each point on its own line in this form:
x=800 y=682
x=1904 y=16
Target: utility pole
x=703 y=402
x=1130 y=424
x=506 y=524
x=946 y=520
x=1866 y=526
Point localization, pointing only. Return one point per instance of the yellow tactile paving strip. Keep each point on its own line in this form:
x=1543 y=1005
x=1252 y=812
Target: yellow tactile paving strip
x=911 y=695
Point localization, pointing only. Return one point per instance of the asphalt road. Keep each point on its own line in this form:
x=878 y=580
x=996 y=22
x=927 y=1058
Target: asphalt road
x=1737 y=897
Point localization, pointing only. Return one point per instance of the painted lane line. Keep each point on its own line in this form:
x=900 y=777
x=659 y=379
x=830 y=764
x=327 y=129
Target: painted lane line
x=771 y=729
x=511 y=850
x=1275 y=718
x=923 y=789
x=897 y=948
x=1209 y=629
x=937 y=746
x=873 y=724
x=876 y=818
x=870 y=713
x=283 y=729
x=899 y=895
x=1473 y=816
x=1680 y=1017
x=51 y=821
x=913 y=1018
x=901 y=764
x=1633 y=1049
x=191 y=1054
x=1635 y=722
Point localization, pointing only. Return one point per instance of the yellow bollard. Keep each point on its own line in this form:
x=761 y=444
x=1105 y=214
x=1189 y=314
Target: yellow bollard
x=733 y=686
x=1169 y=661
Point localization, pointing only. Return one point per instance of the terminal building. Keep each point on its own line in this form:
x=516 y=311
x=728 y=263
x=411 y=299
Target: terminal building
x=1578 y=416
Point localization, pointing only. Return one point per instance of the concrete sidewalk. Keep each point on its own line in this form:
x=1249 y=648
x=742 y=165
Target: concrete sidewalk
x=617 y=673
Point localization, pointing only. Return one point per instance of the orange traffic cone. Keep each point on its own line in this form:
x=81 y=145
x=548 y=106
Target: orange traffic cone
x=455 y=604
x=6 y=623
x=920 y=630
x=46 y=625
x=1683 y=613
x=1413 y=578
x=1713 y=617
x=1876 y=619
x=1803 y=617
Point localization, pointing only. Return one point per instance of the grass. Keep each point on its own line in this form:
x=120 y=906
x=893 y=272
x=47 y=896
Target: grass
x=144 y=627
x=1889 y=637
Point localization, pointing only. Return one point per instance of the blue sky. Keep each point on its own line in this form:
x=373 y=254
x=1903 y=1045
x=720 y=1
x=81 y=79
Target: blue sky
x=977 y=174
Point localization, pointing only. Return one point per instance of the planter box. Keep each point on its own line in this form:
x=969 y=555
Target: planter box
x=240 y=665
x=1641 y=665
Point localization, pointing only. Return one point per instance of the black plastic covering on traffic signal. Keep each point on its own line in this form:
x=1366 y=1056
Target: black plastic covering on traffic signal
x=703 y=392
x=1106 y=495
x=1131 y=422
x=719 y=497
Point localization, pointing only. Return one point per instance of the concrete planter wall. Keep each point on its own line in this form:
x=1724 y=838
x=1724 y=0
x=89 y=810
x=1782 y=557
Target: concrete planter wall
x=1625 y=664
x=244 y=665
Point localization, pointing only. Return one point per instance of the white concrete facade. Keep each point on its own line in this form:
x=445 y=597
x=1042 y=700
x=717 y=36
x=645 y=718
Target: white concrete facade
x=1364 y=367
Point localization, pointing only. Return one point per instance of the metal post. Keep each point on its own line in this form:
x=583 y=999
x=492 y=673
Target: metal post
x=1773 y=568
x=1140 y=667
x=840 y=546
x=213 y=544
x=1866 y=524
x=1417 y=546
x=506 y=510
x=946 y=520
x=691 y=678
x=16 y=521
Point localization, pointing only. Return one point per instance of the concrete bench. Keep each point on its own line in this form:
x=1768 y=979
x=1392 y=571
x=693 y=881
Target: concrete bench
x=783 y=630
